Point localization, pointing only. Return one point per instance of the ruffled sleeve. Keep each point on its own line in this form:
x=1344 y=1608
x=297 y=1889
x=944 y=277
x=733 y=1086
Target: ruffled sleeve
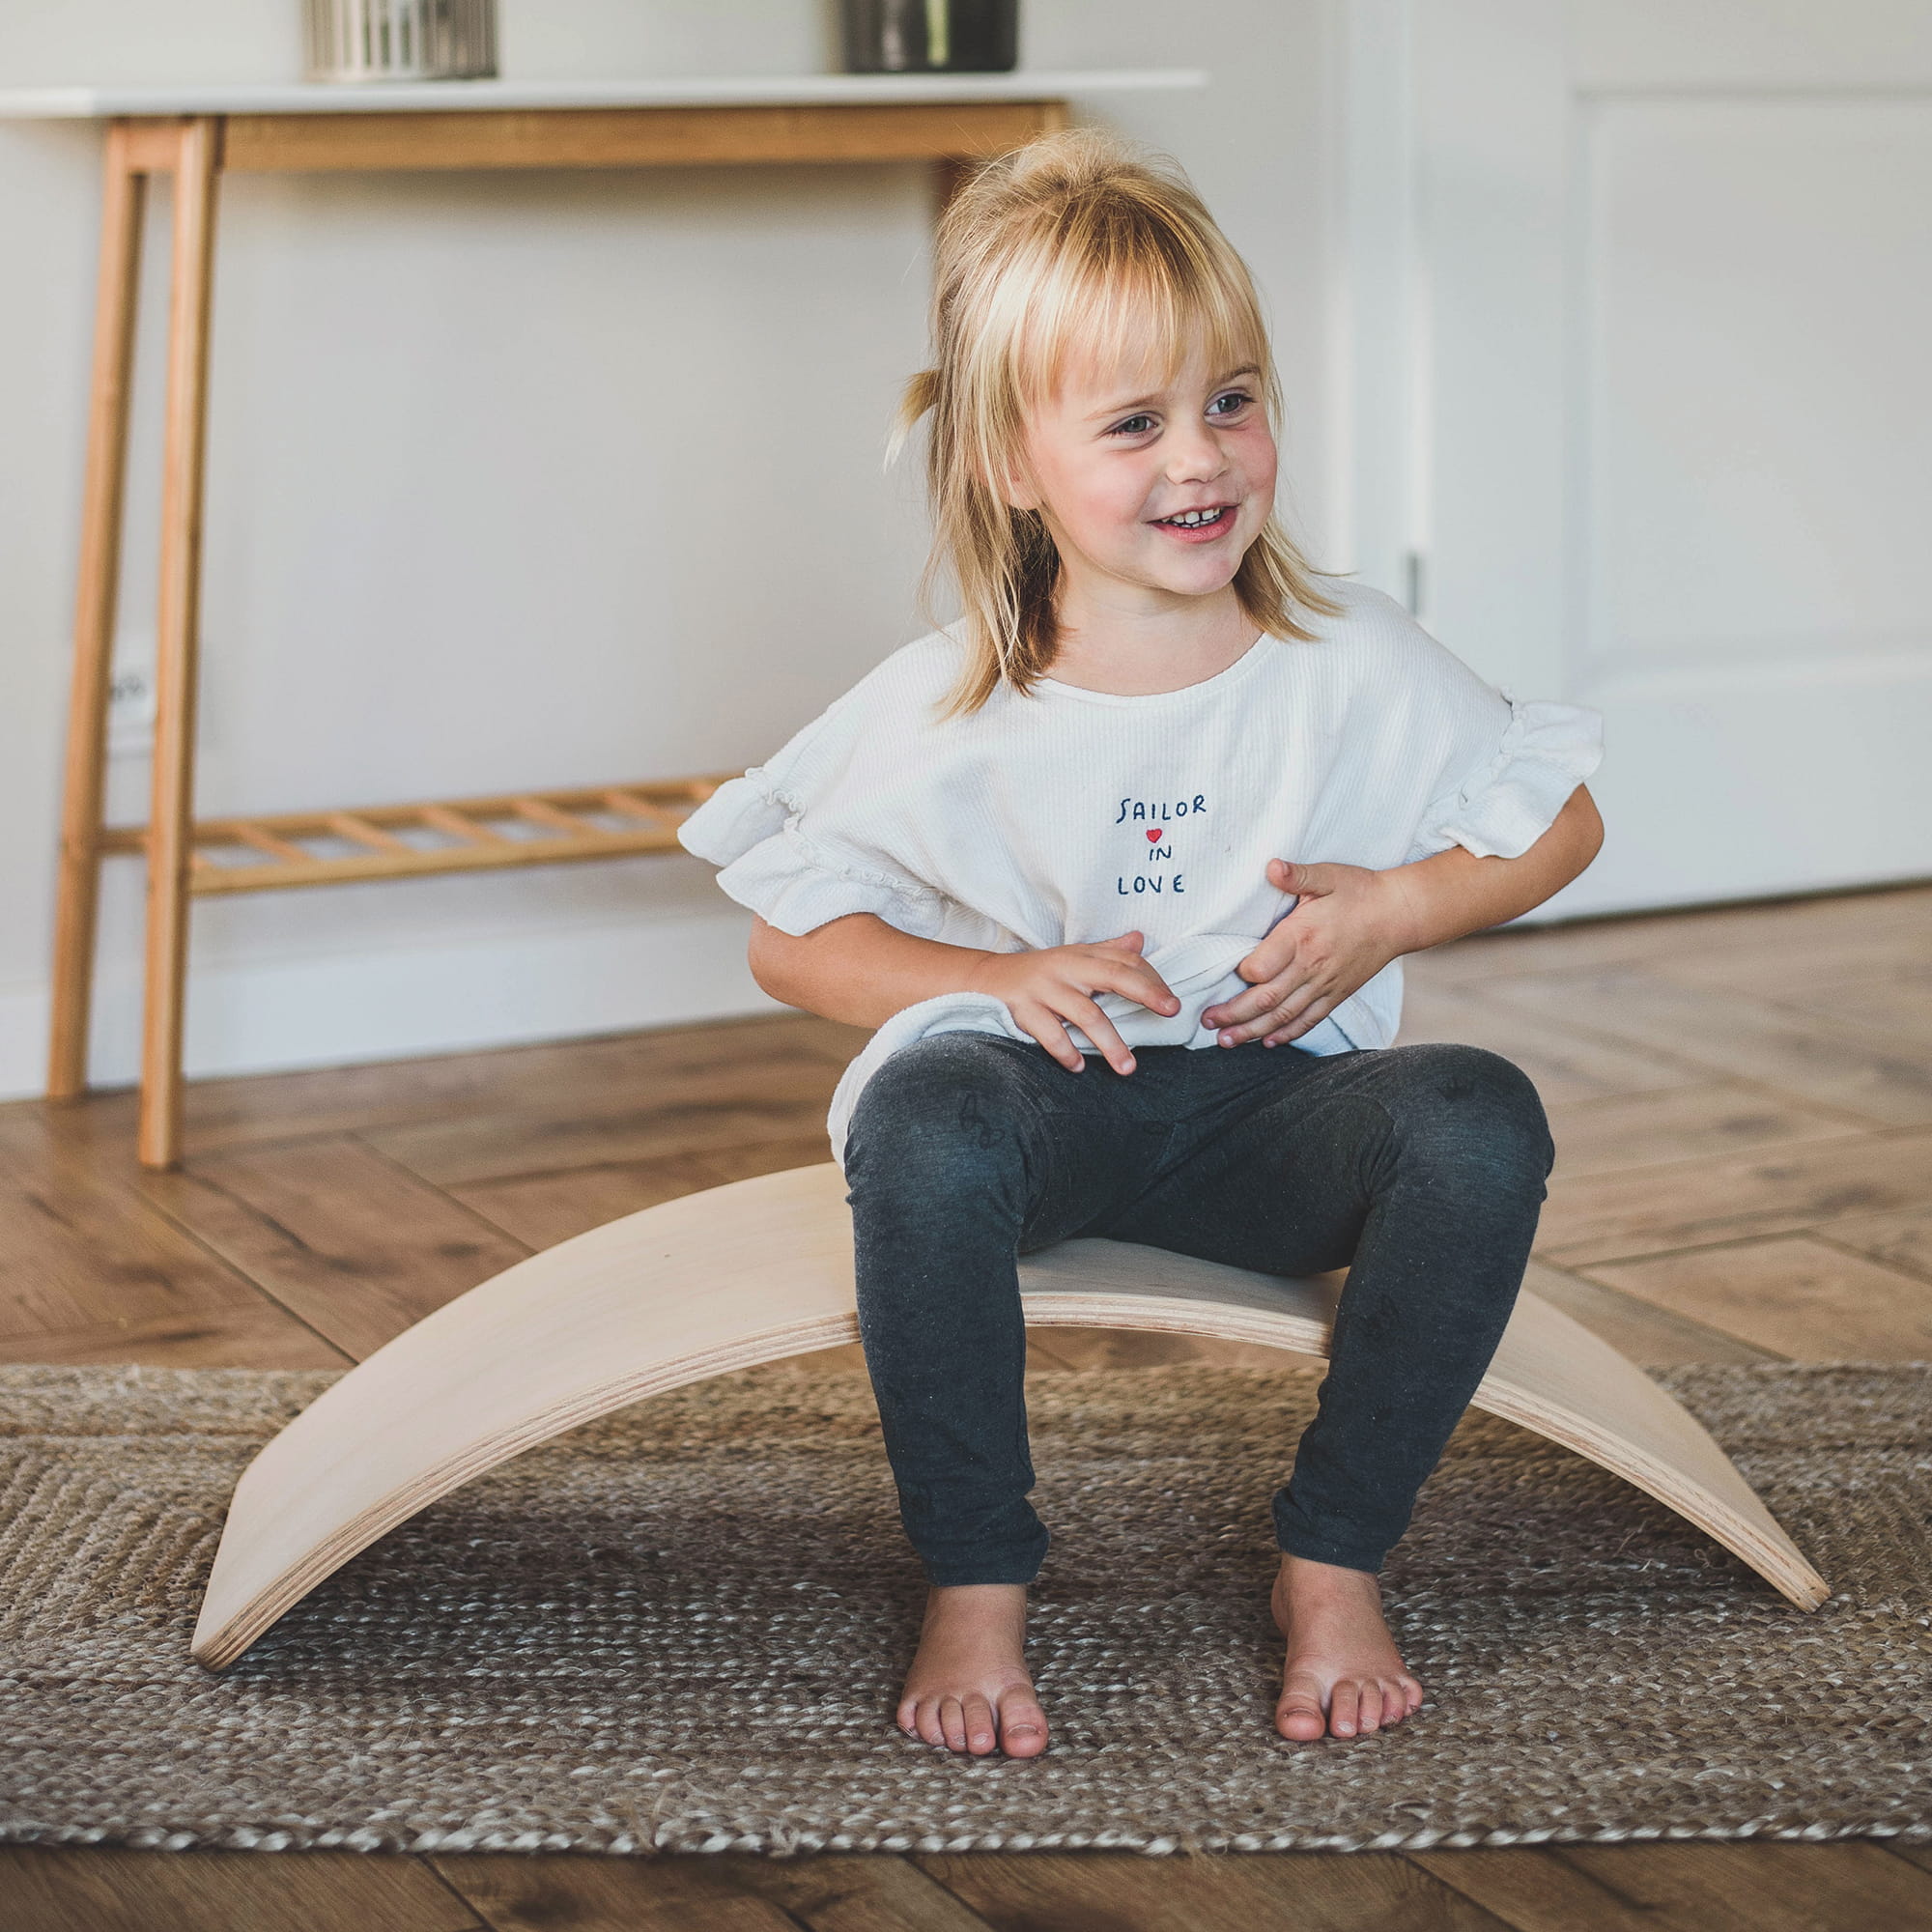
x=790 y=837
x=1435 y=754
x=790 y=878
x=1508 y=800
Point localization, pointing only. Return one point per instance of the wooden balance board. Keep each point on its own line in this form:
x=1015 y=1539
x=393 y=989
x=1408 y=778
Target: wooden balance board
x=762 y=1269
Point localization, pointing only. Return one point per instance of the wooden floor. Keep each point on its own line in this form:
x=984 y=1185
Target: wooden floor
x=1743 y=1106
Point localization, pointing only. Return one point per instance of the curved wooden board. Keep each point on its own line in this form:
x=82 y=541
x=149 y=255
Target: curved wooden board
x=760 y=1270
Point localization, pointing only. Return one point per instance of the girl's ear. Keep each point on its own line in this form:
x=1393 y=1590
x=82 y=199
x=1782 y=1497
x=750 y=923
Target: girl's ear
x=1016 y=487
x=1003 y=466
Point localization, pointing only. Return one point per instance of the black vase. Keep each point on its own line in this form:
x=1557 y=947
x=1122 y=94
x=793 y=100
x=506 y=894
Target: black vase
x=931 y=36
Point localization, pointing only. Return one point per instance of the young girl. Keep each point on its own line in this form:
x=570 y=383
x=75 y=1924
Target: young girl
x=1151 y=712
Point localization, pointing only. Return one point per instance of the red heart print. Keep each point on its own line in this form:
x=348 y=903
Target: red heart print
x=1155 y=837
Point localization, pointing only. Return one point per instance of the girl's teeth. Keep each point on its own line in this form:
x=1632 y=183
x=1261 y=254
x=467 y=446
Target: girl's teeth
x=1190 y=519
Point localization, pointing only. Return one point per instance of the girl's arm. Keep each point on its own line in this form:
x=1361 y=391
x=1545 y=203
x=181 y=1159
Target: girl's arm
x=1454 y=893
x=857 y=969
x=861 y=970
x=1349 y=923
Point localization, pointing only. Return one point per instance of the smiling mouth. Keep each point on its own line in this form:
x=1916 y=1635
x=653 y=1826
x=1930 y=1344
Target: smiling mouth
x=1198 y=520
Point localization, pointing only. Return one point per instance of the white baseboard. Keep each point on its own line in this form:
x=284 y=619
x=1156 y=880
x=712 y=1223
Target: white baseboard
x=274 y=1015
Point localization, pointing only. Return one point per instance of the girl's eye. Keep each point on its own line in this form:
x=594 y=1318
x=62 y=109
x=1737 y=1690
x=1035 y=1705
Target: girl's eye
x=1236 y=399
x=1133 y=426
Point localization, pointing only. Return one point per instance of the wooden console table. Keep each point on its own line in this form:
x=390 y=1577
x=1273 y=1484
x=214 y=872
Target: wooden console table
x=946 y=119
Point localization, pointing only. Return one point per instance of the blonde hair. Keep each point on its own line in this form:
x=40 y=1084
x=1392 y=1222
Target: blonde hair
x=1077 y=237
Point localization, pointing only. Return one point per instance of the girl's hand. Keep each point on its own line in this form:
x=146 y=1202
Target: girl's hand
x=1348 y=923
x=1046 y=988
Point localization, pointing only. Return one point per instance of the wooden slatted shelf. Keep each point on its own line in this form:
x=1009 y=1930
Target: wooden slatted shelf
x=265 y=851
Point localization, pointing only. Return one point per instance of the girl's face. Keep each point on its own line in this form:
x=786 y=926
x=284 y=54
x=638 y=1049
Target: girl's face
x=1163 y=489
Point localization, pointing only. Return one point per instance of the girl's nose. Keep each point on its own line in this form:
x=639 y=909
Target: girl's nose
x=1193 y=455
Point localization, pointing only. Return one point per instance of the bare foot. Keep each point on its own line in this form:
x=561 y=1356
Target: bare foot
x=968 y=1687
x=1343 y=1675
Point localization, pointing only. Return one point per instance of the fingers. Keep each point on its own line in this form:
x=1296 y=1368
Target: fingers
x=1047 y=1016
x=1045 y=1026
x=1269 y=970
x=1247 y=1009
x=1138 y=982
x=1274 y=954
x=1265 y=969
x=1104 y=1035
x=1056 y=990
x=1312 y=1016
x=1145 y=988
x=1049 y=1028
x=1305 y=882
x=1291 y=956
x=1283 y=1015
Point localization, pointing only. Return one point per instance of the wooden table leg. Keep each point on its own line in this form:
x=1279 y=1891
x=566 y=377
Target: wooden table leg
x=170 y=821
x=100 y=520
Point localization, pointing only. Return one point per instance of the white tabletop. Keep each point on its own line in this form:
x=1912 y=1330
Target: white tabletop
x=43 y=103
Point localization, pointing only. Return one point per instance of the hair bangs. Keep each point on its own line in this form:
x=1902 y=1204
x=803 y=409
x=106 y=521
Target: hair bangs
x=1141 y=309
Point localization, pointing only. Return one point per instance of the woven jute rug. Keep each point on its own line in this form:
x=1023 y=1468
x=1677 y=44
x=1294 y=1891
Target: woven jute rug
x=680 y=1631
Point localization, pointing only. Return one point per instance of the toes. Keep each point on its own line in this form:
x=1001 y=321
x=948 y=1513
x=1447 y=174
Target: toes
x=953 y=1723
x=1022 y=1727
x=1344 y=1708
x=972 y=1722
x=982 y=1733
x=1369 y=1711
x=1299 y=1715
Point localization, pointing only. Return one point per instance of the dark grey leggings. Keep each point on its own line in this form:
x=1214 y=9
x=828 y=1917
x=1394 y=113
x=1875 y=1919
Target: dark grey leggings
x=1421 y=1169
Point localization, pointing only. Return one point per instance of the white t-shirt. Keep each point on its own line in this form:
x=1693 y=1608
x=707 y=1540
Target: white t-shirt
x=1069 y=815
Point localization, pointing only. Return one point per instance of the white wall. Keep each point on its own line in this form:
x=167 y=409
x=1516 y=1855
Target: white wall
x=532 y=480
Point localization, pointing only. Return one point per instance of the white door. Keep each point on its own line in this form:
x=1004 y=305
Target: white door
x=1668 y=314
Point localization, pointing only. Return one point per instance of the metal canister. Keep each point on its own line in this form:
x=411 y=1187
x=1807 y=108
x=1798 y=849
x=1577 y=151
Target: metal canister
x=400 y=39
x=931 y=36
